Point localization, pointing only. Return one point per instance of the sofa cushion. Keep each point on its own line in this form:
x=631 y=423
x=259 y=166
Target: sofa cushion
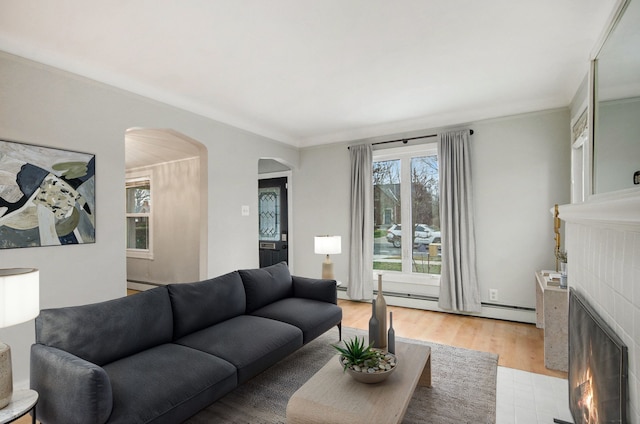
x=167 y=384
x=107 y=331
x=250 y=343
x=265 y=285
x=313 y=317
x=202 y=304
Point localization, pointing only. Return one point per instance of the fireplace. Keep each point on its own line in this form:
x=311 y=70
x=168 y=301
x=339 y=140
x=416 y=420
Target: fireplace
x=597 y=367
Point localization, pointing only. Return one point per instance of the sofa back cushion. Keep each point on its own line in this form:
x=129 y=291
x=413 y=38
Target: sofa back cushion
x=266 y=285
x=104 y=332
x=202 y=304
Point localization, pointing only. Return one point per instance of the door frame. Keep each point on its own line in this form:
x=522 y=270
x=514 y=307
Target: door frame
x=289 y=176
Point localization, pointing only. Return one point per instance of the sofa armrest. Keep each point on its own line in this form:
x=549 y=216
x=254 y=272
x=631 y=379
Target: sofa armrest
x=71 y=390
x=315 y=289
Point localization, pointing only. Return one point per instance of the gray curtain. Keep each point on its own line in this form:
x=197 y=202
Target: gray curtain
x=458 y=281
x=361 y=249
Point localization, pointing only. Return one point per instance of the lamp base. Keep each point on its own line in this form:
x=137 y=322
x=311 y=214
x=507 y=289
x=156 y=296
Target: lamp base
x=327 y=269
x=6 y=377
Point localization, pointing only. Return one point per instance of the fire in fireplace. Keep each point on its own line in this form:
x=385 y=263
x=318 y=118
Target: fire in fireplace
x=597 y=367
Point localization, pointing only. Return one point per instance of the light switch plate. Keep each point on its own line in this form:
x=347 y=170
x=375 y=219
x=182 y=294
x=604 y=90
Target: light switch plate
x=245 y=210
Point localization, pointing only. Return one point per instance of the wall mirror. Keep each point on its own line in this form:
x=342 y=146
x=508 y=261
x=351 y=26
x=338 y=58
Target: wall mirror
x=616 y=105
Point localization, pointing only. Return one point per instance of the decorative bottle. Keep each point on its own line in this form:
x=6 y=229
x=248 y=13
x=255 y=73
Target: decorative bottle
x=381 y=315
x=374 y=326
x=391 y=339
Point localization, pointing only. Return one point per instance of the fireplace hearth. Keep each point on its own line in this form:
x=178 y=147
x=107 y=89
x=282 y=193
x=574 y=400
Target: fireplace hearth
x=598 y=387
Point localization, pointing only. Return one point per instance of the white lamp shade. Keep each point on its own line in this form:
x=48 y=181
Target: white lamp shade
x=328 y=245
x=19 y=295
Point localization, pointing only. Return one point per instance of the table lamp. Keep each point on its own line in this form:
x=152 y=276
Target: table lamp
x=19 y=302
x=327 y=245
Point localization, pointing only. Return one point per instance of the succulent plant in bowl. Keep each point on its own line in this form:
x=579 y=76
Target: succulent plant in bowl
x=356 y=353
x=364 y=363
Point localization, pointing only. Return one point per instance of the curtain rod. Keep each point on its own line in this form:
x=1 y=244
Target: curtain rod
x=406 y=140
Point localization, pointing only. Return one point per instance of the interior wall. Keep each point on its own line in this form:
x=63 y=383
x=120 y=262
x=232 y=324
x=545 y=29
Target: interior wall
x=45 y=106
x=521 y=168
x=176 y=208
x=321 y=204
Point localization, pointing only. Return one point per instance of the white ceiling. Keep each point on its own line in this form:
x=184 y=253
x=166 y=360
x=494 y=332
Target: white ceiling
x=308 y=72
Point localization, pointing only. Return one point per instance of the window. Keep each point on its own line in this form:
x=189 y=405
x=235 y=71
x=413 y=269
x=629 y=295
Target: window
x=139 y=234
x=406 y=190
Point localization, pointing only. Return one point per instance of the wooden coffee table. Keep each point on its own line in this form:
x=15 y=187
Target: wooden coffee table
x=332 y=396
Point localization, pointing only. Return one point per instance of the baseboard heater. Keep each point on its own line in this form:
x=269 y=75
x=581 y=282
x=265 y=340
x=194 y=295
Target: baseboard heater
x=520 y=313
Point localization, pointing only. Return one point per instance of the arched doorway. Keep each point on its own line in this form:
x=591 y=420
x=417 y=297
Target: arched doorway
x=166 y=186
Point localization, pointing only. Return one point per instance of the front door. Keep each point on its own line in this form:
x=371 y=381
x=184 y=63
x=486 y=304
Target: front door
x=273 y=221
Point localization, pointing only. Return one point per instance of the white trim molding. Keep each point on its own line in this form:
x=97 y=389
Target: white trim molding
x=617 y=209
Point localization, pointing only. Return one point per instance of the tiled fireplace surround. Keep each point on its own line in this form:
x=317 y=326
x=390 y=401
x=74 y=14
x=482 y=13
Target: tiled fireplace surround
x=603 y=245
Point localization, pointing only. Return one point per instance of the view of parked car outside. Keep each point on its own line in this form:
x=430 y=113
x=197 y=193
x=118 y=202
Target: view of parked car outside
x=387 y=249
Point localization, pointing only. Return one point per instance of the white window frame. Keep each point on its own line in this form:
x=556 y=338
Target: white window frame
x=407 y=282
x=141 y=253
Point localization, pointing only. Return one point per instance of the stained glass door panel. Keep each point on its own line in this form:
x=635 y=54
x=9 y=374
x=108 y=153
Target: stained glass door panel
x=273 y=221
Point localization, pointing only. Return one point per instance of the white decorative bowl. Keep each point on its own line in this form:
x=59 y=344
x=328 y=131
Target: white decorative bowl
x=371 y=377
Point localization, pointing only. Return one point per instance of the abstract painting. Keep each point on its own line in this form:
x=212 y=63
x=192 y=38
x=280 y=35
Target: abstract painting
x=47 y=196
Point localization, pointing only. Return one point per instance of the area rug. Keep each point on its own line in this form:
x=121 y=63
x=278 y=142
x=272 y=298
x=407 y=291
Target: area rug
x=463 y=387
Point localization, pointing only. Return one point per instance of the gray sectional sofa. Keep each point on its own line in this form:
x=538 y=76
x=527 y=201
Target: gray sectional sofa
x=163 y=355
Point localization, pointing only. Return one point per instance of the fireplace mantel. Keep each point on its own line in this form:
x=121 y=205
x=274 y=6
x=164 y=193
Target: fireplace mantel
x=616 y=209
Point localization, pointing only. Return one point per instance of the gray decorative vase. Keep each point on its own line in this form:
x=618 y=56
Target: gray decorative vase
x=391 y=336
x=374 y=326
x=381 y=315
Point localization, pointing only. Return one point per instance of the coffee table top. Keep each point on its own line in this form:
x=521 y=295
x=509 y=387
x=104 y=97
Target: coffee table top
x=332 y=396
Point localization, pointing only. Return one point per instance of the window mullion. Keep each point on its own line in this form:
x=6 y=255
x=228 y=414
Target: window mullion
x=407 y=227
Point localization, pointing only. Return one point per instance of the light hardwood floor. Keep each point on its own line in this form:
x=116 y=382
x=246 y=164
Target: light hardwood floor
x=519 y=346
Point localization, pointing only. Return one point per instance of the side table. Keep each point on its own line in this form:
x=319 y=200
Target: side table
x=552 y=314
x=21 y=403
